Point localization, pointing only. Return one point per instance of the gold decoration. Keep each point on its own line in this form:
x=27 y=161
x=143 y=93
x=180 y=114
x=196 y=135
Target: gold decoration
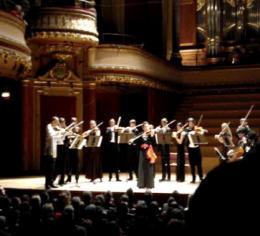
x=249 y=3
x=12 y=60
x=64 y=36
x=200 y=4
x=60 y=73
x=63 y=24
x=128 y=79
x=231 y=2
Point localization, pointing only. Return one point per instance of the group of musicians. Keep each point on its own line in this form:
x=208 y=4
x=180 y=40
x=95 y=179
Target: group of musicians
x=63 y=143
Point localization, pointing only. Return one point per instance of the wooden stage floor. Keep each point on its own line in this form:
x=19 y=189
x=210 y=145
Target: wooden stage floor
x=37 y=183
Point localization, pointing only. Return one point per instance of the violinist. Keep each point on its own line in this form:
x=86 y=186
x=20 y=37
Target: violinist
x=50 y=151
x=179 y=136
x=93 y=161
x=147 y=157
x=225 y=138
x=112 y=149
x=241 y=147
x=73 y=158
x=194 y=150
x=62 y=149
x=244 y=124
x=165 y=151
x=253 y=145
x=132 y=150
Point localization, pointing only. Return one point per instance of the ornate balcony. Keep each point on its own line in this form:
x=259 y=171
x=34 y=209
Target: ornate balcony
x=66 y=24
x=15 y=56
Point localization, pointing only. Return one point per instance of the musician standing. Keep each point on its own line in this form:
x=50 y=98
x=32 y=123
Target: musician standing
x=73 y=156
x=244 y=124
x=194 y=151
x=112 y=149
x=62 y=149
x=165 y=151
x=242 y=137
x=180 y=137
x=225 y=138
x=93 y=154
x=132 y=151
x=146 y=168
x=50 y=152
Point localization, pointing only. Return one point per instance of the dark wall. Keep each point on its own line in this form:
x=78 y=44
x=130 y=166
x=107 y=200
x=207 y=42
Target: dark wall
x=143 y=21
x=10 y=122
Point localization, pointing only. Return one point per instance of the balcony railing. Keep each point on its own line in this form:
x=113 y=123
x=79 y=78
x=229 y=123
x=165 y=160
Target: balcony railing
x=124 y=39
x=65 y=3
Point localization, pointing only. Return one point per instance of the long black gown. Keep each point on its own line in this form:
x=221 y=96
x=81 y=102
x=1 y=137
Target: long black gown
x=146 y=171
x=93 y=163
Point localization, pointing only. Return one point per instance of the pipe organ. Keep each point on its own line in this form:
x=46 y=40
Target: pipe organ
x=226 y=32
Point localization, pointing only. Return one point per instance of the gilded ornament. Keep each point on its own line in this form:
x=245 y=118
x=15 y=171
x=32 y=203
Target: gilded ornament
x=200 y=4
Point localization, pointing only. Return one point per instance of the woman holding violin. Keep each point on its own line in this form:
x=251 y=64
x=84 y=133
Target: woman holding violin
x=179 y=136
x=194 y=151
x=225 y=137
x=93 y=161
x=147 y=157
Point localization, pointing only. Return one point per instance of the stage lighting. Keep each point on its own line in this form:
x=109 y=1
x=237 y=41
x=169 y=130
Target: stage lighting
x=6 y=95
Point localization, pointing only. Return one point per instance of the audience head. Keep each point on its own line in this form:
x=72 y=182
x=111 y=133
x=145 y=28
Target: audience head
x=87 y=197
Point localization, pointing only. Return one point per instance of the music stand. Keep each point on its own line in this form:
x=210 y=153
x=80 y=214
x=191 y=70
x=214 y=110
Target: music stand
x=81 y=143
x=94 y=141
x=124 y=138
x=199 y=139
x=163 y=139
x=75 y=142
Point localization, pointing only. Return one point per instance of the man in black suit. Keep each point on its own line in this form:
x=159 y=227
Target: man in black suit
x=165 y=151
x=132 y=150
x=112 y=149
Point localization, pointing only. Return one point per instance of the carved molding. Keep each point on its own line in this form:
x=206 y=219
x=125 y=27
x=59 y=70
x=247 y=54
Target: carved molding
x=231 y=2
x=59 y=76
x=200 y=4
x=14 y=64
x=62 y=24
x=15 y=59
x=127 y=79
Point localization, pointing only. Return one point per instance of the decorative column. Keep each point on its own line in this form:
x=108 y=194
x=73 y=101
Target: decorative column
x=176 y=57
x=27 y=125
x=167 y=28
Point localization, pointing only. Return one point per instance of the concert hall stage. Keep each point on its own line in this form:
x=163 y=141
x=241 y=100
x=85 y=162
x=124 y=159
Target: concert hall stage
x=161 y=192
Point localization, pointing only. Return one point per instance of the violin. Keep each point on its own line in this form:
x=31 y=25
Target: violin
x=174 y=134
x=200 y=129
x=235 y=153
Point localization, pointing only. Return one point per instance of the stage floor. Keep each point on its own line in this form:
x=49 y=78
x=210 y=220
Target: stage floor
x=37 y=183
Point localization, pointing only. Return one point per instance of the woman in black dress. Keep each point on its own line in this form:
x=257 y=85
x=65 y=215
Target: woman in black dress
x=93 y=161
x=146 y=170
x=179 y=137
